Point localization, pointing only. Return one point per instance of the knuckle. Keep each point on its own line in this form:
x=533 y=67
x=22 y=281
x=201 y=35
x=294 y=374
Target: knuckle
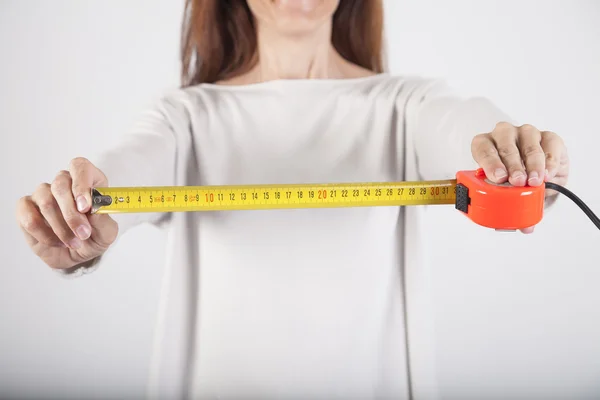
x=78 y=163
x=503 y=126
x=480 y=137
x=515 y=167
x=22 y=203
x=528 y=129
x=476 y=142
x=479 y=141
x=72 y=219
x=532 y=150
x=31 y=222
x=44 y=199
x=46 y=203
x=61 y=185
x=63 y=233
x=550 y=135
x=554 y=140
x=508 y=151
x=47 y=241
x=42 y=188
x=23 y=209
x=487 y=152
x=63 y=176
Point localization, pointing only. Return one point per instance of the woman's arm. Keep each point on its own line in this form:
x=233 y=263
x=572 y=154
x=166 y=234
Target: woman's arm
x=451 y=133
x=145 y=156
x=444 y=127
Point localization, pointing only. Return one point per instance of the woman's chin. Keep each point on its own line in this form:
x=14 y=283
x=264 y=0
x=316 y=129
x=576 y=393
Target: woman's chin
x=298 y=6
x=293 y=16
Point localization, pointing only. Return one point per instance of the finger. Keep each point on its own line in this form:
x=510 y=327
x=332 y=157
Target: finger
x=34 y=226
x=85 y=176
x=485 y=154
x=50 y=211
x=555 y=153
x=505 y=138
x=31 y=241
x=62 y=192
x=559 y=179
x=564 y=166
x=527 y=231
x=104 y=229
x=528 y=139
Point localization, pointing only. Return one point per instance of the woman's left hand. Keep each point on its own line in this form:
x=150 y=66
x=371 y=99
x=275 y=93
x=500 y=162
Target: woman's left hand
x=523 y=155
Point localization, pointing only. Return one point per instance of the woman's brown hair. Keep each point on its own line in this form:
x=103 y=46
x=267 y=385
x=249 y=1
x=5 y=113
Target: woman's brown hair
x=218 y=38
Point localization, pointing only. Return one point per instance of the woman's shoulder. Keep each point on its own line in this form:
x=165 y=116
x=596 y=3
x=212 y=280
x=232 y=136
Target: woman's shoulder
x=414 y=85
x=401 y=89
x=377 y=86
x=179 y=102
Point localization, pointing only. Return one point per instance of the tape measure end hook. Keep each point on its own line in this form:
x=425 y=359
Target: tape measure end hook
x=99 y=200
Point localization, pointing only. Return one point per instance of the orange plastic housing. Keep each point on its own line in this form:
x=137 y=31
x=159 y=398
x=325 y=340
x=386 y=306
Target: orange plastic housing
x=502 y=207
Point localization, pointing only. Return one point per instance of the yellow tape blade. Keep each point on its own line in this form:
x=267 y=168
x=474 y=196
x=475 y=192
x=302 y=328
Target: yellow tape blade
x=265 y=197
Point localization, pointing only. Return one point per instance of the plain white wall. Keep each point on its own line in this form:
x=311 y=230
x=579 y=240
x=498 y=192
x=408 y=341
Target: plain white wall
x=515 y=316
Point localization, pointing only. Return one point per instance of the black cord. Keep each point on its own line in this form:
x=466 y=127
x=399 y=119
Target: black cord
x=576 y=200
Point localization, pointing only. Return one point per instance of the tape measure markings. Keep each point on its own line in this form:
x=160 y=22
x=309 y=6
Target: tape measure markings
x=249 y=197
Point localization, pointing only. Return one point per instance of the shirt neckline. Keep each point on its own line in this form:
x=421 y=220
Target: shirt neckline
x=296 y=83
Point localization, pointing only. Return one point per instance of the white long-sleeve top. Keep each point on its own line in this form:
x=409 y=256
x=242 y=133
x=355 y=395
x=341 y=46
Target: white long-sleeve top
x=303 y=304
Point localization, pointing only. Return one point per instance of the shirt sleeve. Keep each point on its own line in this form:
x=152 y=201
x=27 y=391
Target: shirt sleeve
x=445 y=125
x=146 y=155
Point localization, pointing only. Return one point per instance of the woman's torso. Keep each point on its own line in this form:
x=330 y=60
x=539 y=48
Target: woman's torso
x=300 y=303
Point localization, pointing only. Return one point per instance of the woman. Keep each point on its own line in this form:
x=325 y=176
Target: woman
x=288 y=303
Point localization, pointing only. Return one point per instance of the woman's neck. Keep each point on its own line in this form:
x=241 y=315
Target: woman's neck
x=297 y=57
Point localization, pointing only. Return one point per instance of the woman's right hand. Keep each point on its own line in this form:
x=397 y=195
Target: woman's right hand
x=55 y=220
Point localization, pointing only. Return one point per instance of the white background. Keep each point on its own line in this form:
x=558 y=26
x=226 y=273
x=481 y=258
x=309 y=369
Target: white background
x=516 y=316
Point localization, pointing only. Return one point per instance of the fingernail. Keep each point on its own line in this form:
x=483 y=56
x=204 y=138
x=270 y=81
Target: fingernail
x=534 y=178
x=83 y=232
x=500 y=173
x=81 y=203
x=518 y=175
x=75 y=243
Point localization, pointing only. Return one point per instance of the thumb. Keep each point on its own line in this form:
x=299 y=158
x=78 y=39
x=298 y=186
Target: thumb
x=104 y=230
x=85 y=176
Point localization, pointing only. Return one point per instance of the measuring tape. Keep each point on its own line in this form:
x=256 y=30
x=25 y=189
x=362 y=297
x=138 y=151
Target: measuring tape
x=502 y=207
